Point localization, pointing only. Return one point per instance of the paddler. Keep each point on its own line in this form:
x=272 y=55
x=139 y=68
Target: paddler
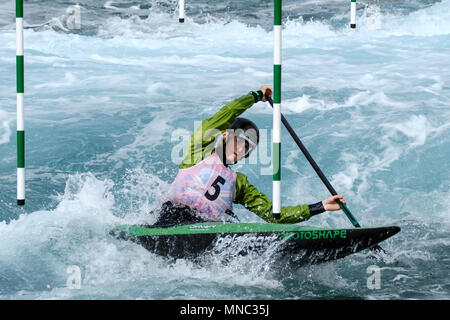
x=206 y=188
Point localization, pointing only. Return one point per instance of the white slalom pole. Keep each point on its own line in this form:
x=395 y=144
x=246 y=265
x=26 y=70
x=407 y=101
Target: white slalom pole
x=181 y=11
x=20 y=108
x=353 y=14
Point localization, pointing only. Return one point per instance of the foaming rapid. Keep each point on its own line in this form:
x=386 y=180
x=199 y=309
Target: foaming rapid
x=38 y=247
x=111 y=105
x=76 y=235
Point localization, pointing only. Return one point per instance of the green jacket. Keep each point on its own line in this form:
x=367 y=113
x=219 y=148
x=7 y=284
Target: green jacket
x=201 y=146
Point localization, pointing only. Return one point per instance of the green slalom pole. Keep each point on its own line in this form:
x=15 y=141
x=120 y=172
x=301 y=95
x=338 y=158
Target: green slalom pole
x=276 y=142
x=20 y=108
x=319 y=172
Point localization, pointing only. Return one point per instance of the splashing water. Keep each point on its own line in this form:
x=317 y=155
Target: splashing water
x=109 y=104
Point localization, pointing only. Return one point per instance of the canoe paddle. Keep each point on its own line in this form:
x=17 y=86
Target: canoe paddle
x=320 y=173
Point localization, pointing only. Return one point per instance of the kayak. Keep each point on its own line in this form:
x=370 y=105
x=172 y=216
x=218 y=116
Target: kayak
x=292 y=244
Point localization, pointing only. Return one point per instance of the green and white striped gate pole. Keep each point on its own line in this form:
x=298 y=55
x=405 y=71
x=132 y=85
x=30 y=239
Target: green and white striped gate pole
x=181 y=11
x=20 y=115
x=353 y=14
x=276 y=142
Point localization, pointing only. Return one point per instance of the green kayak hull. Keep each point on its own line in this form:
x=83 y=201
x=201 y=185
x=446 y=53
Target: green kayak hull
x=291 y=244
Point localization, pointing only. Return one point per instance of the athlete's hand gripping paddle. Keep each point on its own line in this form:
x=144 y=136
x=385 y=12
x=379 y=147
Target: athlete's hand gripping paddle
x=317 y=169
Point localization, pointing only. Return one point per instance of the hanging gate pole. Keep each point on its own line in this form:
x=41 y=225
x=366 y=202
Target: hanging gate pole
x=353 y=14
x=276 y=142
x=20 y=109
x=181 y=11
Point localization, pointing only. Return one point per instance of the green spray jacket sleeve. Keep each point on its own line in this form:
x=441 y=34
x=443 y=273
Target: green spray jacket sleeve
x=257 y=202
x=202 y=141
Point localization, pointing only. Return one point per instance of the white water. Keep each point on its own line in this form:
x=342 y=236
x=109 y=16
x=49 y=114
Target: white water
x=106 y=107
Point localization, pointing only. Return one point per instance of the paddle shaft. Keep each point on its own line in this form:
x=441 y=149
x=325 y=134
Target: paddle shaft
x=316 y=168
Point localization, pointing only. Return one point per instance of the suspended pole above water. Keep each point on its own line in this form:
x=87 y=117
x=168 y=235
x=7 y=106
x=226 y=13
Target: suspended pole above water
x=20 y=108
x=276 y=136
x=181 y=11
x=353 y=14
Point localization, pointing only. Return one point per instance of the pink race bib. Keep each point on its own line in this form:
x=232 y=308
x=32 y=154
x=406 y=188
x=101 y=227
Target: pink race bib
x=209 y=187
